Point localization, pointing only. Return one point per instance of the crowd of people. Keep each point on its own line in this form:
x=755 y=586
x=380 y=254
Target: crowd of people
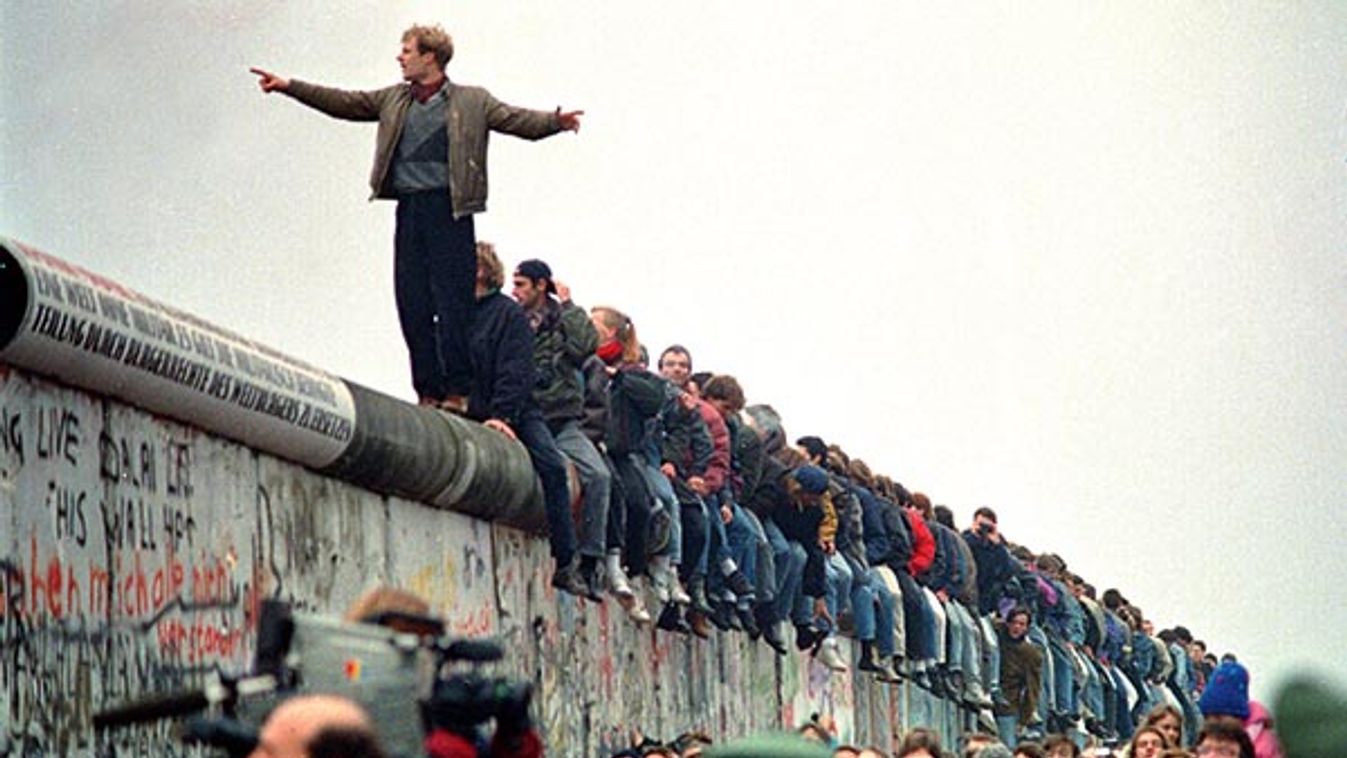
x=697 y=512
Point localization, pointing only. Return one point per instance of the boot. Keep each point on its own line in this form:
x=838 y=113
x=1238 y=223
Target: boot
x=593 y=583
x=618 y=583
x=697 y=595
x=699 y=623
x=677 y=593
x=869 y=657
x=748 y=623
x=771 y=634
x=567 y=579
x=660 y=577
x=721 y=615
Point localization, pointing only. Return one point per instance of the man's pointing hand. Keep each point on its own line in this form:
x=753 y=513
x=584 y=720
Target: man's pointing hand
x=270 y=82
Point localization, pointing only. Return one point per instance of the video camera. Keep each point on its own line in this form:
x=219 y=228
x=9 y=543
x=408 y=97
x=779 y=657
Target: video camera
x=400 y=668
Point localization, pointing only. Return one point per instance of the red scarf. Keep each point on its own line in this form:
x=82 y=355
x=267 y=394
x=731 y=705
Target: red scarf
x=609 y=351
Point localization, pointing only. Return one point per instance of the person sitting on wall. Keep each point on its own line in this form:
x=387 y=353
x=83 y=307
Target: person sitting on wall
x=502 y=399
x=563 y=339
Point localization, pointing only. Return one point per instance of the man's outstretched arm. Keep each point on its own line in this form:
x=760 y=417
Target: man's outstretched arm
x=338 y=103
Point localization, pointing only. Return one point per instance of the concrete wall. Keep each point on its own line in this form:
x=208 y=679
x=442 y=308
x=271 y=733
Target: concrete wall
x=134 y=553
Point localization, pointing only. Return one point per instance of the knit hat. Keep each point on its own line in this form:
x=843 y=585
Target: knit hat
x=1227 y=692
x=812 y=479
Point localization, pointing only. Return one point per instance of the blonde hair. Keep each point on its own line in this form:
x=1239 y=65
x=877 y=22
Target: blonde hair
x=495 y=272
x=623 y=329
x=432 y=39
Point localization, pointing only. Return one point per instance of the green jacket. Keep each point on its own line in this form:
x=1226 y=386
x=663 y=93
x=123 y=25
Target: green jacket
x=563 y=337
x=473 y=113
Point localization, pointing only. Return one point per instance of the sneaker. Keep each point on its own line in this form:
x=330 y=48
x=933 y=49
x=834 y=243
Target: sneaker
x=828 y=654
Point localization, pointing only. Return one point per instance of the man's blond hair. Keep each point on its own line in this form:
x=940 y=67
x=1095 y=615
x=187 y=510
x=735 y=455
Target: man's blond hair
x=495 y=272
x=432 y=39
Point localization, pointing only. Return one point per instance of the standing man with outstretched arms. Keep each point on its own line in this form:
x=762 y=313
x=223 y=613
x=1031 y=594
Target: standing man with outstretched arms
x=430 y=156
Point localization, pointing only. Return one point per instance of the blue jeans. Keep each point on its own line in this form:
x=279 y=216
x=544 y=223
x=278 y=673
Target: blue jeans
x=992 y=646
x=1063 y=678
x=548 y=461
x=434 y=272
x=764 y=581
x=663 y=492
x=743 y=544
x=838 y=586
x=596 y=483
x=790 y=559
x=1045 y=692
x=884 y=608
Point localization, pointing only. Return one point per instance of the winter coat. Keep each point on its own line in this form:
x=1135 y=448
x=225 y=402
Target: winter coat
x=564 y=338
x=472 y=114
x=501 y=345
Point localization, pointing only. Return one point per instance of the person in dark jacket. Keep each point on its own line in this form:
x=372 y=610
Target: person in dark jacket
x=641 y=420
x=501 y=345
x=563 y=339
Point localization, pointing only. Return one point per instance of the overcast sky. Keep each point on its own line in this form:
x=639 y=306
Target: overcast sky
x=1080 y=262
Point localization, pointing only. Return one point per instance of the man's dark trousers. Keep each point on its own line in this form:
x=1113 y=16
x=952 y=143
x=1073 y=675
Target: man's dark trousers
x=434 y=275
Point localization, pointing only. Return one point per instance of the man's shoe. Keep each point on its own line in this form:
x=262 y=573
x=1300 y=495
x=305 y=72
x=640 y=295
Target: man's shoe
x=739 y=585
x=568 y=579
x=869 y=657
x=748 y=623
x=589 y=572
x=671 y=620
x=885 y=672
x=771 y=634
x=697 y=595
x=806 y=637
x=721 y=616
x=699 y=624
x=922 y=679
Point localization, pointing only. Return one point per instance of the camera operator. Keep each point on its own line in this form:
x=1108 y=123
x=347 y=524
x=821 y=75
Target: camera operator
x=996 y=568
x=452 y=731
x=317 y=726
